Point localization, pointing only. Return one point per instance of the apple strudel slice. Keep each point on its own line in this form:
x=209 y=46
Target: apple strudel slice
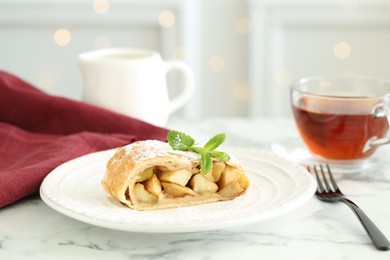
x=148 y=175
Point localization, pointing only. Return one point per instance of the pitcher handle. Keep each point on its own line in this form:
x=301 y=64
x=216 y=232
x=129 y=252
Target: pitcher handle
x=188 y=88
x=380 y=110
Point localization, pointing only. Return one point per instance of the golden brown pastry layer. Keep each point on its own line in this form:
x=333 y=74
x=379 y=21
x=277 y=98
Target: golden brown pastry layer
x=149 y=175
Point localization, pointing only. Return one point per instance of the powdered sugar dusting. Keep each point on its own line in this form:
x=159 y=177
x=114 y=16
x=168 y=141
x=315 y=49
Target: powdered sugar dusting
x=148 y=149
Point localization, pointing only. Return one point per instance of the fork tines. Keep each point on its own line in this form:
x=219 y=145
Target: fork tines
x=320 y=173
x=328 y=191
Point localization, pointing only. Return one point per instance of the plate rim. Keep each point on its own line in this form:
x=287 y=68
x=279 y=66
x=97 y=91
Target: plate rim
x=299 y=200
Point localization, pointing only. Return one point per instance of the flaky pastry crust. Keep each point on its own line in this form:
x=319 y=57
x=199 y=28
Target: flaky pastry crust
x=148 y=175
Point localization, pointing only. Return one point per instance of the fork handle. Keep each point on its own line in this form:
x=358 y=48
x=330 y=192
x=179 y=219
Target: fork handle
x=376 y=236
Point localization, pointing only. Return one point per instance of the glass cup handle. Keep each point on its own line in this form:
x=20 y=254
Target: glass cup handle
x=379 y=110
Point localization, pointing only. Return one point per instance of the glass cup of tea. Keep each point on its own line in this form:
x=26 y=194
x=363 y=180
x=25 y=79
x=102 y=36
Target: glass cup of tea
x=342 y=117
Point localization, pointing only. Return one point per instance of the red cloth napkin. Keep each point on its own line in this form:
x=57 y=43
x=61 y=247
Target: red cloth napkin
x=38 y=132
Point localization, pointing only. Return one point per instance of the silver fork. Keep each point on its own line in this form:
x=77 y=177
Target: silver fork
x=327 y=190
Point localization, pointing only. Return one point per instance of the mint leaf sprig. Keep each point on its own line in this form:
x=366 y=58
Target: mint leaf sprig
x=183 y=142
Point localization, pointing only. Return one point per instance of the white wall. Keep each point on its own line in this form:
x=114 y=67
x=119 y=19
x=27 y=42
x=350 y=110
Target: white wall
x=244 y=53
x=294 y=39
x=28 y=49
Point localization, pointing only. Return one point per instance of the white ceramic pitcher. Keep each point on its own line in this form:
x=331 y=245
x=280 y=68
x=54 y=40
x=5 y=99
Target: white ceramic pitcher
x=133 y=82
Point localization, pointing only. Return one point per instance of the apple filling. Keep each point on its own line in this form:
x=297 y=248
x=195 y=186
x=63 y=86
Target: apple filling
x=159 y=182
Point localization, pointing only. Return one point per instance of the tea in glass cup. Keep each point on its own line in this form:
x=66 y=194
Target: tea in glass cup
x=342 y=117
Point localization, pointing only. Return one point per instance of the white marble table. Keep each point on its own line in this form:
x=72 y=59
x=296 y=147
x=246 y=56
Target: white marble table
x=29 y=229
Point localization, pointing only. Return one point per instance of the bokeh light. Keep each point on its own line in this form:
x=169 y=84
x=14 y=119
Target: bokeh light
x=100 y=6
x=166 y=19
x=342 y=50
x=216 y=63
x=243 y=26
x=62 y=37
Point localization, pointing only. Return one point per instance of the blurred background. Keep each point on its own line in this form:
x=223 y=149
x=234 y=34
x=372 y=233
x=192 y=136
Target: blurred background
x=244 y=54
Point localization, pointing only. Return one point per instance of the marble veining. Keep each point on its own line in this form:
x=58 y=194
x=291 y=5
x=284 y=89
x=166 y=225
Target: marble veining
x=29 y=229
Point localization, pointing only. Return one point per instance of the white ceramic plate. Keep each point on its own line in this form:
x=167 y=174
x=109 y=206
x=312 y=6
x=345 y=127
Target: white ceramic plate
x=277 y=187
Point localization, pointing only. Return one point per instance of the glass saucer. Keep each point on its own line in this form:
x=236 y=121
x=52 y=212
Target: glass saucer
x=296 y=150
